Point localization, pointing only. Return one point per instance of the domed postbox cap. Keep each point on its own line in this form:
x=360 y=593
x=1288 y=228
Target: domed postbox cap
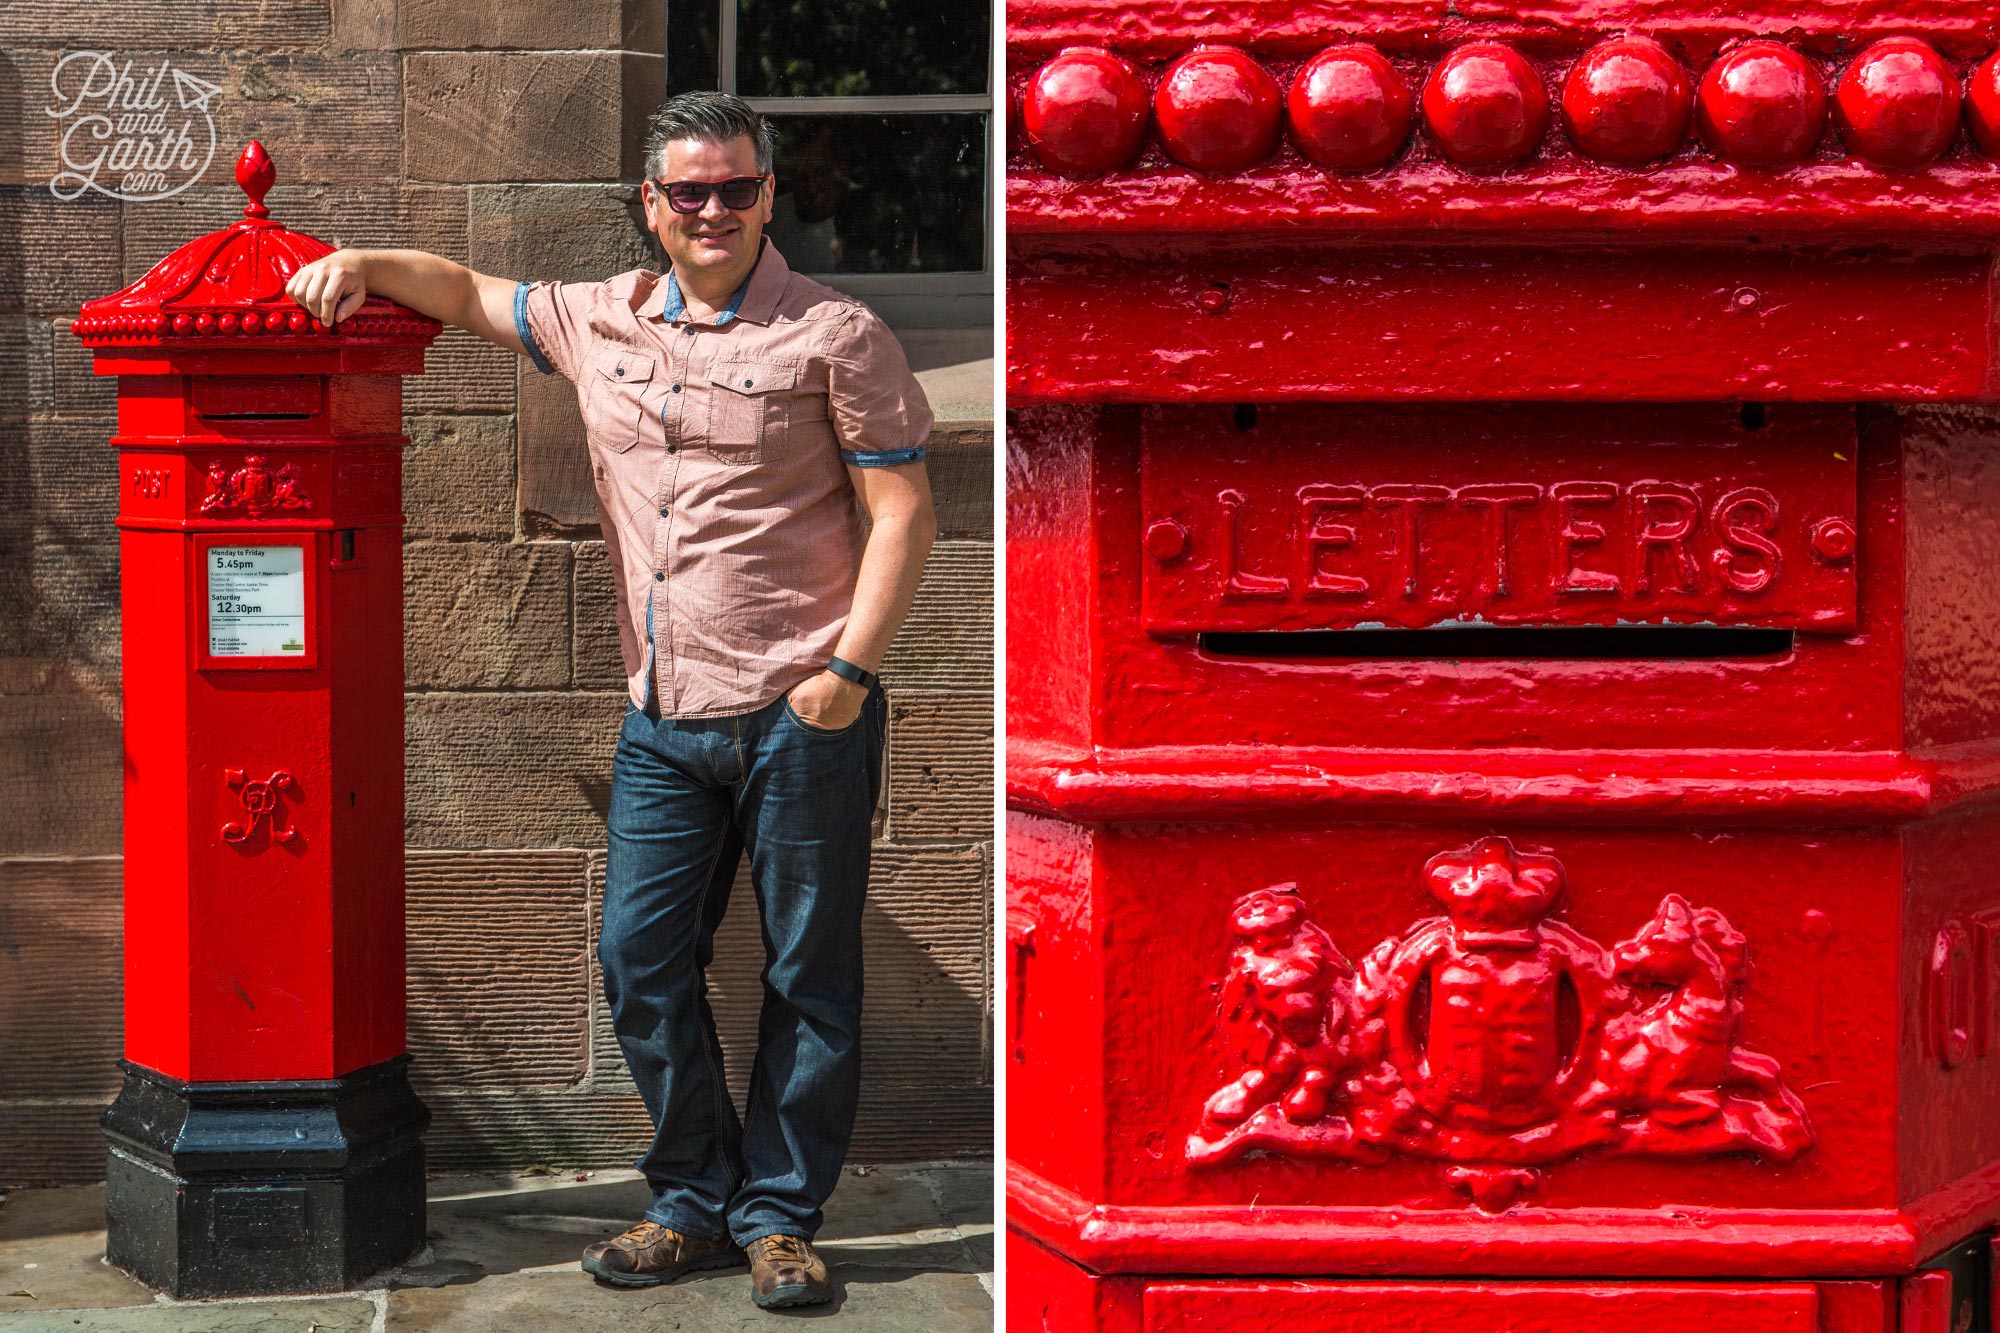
x=228 y=287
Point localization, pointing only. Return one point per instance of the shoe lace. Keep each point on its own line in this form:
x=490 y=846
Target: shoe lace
x=641 y=1233
x=786 y=1247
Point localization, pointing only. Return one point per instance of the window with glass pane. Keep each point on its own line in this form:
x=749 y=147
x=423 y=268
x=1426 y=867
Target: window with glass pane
x=859 y=48
x=881 y=194
x=884 y=116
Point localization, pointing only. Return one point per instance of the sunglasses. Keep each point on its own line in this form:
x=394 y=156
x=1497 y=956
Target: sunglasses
x=692 y=196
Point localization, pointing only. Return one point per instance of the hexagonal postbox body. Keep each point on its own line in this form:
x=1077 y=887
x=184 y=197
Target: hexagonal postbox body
x=1504 y=667
x=266 y=1139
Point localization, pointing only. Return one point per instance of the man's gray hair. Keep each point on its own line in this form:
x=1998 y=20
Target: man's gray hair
x=709 y=117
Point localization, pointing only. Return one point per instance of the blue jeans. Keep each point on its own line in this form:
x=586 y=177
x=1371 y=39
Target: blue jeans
x=688 y=798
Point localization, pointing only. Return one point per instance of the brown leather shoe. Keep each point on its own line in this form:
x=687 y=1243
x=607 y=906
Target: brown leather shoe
x=786 y=1270
x=649 y=1254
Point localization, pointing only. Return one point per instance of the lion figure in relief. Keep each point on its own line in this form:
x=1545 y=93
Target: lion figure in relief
x=1284 y=1001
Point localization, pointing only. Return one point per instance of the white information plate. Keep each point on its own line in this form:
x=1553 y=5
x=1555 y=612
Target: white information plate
x=256 y=601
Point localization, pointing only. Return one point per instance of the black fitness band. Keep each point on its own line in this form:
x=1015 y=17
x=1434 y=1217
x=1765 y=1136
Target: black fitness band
x=846 y=670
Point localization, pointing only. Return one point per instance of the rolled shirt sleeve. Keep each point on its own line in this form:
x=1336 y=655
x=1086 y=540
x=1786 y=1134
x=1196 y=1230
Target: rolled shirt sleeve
x=553 y=321
x=880 y=415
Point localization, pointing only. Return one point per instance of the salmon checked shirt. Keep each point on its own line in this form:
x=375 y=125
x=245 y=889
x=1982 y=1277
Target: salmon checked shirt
x=720 y=454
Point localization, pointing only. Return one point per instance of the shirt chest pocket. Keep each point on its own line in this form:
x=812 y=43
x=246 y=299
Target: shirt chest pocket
x=750 y=405
x=614 y=401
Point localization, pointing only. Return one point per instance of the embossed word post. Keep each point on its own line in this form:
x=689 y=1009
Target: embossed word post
x=1504 y=701
x=266 y=1139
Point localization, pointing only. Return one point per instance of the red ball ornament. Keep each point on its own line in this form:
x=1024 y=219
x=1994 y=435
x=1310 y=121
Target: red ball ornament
x=296 y=320
x=1897 y=105
x=1085 y=112
x=1761 y=105
x=1350 y=108
x=182 y=323
x=227 y=323
x=204 y=322
x=1628 y=101
x=1982 y=105
x=1486 y=105
x=1218 y=110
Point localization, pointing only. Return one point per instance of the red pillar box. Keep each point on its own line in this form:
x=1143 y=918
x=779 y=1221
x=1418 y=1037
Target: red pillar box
x=266 y=1138
x=1504 y=668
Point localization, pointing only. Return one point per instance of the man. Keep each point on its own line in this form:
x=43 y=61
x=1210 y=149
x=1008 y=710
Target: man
x=734 y=411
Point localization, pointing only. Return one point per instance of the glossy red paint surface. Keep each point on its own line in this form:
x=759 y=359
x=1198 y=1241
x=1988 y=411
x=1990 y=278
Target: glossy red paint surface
x=1485 y=106
x=263 y=796
x=1762 y=105
x=1628 y=101
x=1085 y=112
x=1374 y=980
x=1528 y=1307
x=1046 y=1294
x=1350 y=108
x=1898 y=103
x=1426 y=322
x=1218 y=110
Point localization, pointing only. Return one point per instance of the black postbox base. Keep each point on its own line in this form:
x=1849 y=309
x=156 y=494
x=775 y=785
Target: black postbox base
x=258 y=1189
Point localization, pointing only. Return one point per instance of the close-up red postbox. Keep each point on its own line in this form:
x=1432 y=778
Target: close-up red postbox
x=1504 y=666
x=266 y=1138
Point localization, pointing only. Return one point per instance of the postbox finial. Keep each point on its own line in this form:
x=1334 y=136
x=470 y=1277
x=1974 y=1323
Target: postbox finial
x=255 y=172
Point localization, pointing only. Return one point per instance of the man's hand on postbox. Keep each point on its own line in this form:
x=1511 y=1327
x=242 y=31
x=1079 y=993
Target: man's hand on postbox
x=827 y=701
x=331 y=288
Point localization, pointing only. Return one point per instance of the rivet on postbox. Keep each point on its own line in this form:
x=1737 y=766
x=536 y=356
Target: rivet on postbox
x=1166 y=540
x=1833 y=539
x=1350 y=108
x=1486 y=106
x=1898 y=103
x=1982 y=105
x=1628 y=101
x=1762 y=104
x=1085 y=112
x=1218 y=110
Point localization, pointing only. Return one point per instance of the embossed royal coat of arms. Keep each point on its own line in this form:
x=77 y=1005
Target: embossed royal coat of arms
x=1494 y=1039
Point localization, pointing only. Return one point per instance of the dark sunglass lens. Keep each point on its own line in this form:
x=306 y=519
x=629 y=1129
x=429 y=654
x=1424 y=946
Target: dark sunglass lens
x=740 y=193
x=687 y=196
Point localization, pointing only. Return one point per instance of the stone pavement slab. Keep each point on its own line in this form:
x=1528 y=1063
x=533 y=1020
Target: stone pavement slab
x=884 y=1217
x=52 y=1244
x=910 y=1250
x=878 y=1300
x=314 y=1315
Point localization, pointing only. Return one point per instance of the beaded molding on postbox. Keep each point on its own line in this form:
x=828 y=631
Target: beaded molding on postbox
x=1629 y=102
x=230 y=284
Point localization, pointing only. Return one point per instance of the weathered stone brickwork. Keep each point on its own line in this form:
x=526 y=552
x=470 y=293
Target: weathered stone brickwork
x=506 y=136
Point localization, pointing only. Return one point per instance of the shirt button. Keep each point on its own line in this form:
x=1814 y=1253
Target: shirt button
x=665 y=512
x=620 y=372
x=746 y=384
x=659 y=577
x=689 y=330
x=677 y=388
x=673 y=448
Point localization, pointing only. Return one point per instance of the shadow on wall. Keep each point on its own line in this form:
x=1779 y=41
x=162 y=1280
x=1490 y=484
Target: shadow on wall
x=520 y=1071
